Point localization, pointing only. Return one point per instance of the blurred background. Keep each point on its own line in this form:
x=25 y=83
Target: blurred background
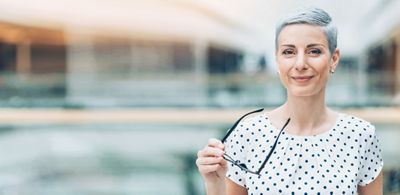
x=116 y=97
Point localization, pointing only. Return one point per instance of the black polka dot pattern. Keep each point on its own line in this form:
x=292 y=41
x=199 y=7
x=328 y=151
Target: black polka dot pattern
x=333 y=162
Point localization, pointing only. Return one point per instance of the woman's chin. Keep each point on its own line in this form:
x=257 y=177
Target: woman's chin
x=302 y=92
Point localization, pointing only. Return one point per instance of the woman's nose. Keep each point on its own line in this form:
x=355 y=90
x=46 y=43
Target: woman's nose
x=300 y=63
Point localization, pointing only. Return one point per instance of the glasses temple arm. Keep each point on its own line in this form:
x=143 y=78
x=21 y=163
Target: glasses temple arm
x=273 y=147
x=237 y=122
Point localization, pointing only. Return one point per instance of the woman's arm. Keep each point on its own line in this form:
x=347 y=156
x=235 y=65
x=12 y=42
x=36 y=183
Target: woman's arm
x=373 y=188
x=233 y=188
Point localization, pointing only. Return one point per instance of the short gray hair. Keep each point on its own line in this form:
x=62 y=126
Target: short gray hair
x=311 y=16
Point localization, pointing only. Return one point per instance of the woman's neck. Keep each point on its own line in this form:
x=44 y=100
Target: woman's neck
x=309 y=115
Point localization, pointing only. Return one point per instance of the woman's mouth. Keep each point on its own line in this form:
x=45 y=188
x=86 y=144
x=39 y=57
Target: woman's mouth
x=302 y=79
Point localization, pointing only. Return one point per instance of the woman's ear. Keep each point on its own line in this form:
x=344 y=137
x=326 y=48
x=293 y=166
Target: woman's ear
x=335 y=60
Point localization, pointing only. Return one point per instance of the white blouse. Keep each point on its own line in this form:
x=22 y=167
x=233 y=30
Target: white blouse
x=334 y=162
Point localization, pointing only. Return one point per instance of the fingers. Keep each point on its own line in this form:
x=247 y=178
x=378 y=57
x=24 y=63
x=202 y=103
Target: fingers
x=210 y=152
x=209 y=160
x=209 y=168
x=214 y=148
x=212 y=142
x=210 y=164
x=223 y=163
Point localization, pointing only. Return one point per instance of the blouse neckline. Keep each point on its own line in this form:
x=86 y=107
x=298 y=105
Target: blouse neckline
x=322 y=134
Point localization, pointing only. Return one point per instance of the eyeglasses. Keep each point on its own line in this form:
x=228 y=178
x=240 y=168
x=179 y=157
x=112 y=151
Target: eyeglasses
x=243 y=165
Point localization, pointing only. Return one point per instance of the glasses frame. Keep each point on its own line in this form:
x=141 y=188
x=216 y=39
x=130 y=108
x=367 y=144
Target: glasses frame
x=243 y=165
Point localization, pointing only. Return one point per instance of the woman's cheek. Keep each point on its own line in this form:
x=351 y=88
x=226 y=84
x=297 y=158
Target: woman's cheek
x=282 y=76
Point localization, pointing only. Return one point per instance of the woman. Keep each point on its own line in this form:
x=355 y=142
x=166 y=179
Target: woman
x=301 y=147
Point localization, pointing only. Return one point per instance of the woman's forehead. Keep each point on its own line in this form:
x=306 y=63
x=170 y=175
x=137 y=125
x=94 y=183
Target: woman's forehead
x=302 y=34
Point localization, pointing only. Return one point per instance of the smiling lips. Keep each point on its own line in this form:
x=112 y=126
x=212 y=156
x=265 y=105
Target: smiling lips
x=302 y=79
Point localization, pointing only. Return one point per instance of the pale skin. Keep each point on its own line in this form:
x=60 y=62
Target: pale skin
x=305 y=65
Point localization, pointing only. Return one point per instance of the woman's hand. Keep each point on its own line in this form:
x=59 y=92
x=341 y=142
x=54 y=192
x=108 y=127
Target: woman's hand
x=212 y=165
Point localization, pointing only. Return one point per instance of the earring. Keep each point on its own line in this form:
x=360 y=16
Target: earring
x=332 y=71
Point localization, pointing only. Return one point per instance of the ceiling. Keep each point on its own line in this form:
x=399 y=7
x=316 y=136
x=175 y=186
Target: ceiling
x=248 y=23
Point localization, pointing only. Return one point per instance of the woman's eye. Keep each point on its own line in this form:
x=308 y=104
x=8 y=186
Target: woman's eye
x=287 y=52
x=315 y=51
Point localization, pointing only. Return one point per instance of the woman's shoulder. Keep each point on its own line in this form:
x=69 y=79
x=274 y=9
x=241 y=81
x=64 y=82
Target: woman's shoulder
x=253 y=121
x=355 y=124
x=253 y=116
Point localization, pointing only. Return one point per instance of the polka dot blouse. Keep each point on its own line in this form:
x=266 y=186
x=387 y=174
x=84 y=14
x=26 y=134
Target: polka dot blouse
x=333 y=162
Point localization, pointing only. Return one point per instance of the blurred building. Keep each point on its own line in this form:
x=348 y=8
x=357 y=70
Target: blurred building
x=26 y=54
x=180 y=53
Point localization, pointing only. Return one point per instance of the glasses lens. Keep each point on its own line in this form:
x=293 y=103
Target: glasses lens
x=237 y=163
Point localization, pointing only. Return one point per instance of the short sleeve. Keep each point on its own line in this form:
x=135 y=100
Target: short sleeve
x=236 y=147
x=371 y=160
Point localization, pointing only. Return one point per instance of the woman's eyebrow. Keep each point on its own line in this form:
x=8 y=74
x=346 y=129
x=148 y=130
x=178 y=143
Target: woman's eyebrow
x=310 y=45
x=288 y=45
x=316 y=44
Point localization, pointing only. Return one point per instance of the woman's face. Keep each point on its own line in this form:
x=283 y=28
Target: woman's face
x=304 y=59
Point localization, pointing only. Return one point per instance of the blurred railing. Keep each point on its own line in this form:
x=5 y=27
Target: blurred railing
x=91 y=90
